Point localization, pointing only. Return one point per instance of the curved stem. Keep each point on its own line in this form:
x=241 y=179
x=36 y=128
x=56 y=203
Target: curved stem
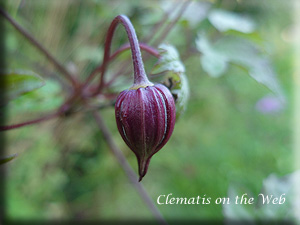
x=161 y=37
x=140 y=76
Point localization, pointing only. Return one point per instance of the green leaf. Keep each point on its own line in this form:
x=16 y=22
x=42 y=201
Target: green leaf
x=255 y=36
x=224 y=20
x=170 y=71
x=19 y=82
x=216 y=57
x=214 y=63
x=7 y=158
x=196 y=12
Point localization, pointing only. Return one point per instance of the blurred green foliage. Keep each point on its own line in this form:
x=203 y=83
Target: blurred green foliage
x=17 y=83
x=64 y=169
x=286 y=205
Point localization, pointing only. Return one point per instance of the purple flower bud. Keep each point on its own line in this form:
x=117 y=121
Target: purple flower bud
x=145 y=118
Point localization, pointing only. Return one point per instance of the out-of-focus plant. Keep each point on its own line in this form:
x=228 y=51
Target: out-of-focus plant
x=81 y=97
x=264 y=210
x=234 y=41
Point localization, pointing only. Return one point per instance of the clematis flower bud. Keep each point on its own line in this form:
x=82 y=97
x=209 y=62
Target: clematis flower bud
x=145 y=113
x=145 y=118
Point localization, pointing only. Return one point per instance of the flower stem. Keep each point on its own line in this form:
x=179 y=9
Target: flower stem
x=159 y=39
x=140 y=77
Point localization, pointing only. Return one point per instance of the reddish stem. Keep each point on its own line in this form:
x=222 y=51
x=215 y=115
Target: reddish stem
x=39 y=120
x=162 y=36
x=123 y=48
x=140 y=77
x=123 y=70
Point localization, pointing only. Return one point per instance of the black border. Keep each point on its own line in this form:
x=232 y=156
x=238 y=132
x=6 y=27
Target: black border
x=2 y=116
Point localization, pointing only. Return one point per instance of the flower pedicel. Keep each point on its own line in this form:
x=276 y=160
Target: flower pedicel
x=145 y=113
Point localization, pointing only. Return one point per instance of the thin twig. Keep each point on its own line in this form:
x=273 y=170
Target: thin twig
x=127 y=168
x=30 y=122
x=90 y=107
x=40 y=47
x=165 y=33
x=123 y=69
x=159 y=25
x=123 y=48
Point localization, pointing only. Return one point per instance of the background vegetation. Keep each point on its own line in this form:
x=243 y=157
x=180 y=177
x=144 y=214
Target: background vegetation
x=64 y=169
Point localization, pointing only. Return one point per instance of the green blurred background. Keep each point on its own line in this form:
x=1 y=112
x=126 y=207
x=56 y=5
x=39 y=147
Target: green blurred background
x=65 y=170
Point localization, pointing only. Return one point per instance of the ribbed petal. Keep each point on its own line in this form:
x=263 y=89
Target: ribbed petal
x=171 y=113
x=145 y=119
